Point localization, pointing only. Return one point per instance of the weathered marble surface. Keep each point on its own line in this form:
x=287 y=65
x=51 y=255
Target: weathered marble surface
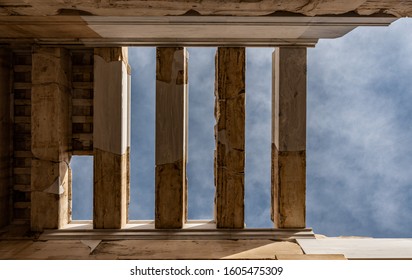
x=207 y=7
x=111 y=138
x=246 y=30
x=230 y=137
x=289 y=137
x=147 y=249
x=171 y=137
x=50 y=126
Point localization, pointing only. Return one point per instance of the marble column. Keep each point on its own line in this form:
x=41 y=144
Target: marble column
x=289 y=137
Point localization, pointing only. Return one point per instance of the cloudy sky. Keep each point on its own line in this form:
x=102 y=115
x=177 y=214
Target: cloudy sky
x=359 y=135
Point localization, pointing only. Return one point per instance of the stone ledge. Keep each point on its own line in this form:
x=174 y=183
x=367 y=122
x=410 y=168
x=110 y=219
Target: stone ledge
x=195 y=232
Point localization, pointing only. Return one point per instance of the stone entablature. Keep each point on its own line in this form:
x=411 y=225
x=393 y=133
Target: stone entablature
x=206 y=7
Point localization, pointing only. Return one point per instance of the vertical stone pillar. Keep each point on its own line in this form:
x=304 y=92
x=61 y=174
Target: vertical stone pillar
x=171 y=137
x=5 y=136
x=50 y=127
x=289 y=137
x=111 y=138
x=230 y=137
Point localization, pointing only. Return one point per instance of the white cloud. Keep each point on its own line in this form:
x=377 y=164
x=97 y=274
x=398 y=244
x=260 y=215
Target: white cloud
x=258 y=137
x=356 y=134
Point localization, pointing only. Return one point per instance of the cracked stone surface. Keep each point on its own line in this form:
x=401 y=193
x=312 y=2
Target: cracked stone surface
x=207 y=7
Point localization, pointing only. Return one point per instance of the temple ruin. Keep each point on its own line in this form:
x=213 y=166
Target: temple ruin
x=65 y=91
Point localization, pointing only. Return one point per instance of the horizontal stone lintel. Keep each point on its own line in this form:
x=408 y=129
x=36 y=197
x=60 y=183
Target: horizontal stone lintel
x=145 y=230
x=187 y=30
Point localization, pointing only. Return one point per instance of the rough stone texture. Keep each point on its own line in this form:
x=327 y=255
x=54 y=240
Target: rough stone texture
x=22 y=156
x=207 y=7
x=181 y=30
x=110 y=138
x=289 y=137
x=82 y=101
x=192 y=23
x=112 y=54
x=110 y=201
x=170 y=209
x=230 y=137
x=392 y=7
x=50 y=101
x=5 y=136
x=50 y=250
x=288 y=189
x=50 y=206
x=171 y=137
x=195 y=249
x=289 y=99
x=50 y=123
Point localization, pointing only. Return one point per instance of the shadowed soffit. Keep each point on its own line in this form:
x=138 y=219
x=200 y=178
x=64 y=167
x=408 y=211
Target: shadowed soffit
x=181 y=30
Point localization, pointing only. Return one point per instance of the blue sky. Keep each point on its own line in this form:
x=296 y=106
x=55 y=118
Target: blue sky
x=359 y=135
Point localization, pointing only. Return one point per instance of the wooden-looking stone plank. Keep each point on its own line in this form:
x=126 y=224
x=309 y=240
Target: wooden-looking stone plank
x=171 y=137
x=110 y=138
x=148 y=249
x=289 y=137
x=5 y=136
x=230 y=137
x=49 y=250
x=50 y=122
x=195 y=249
